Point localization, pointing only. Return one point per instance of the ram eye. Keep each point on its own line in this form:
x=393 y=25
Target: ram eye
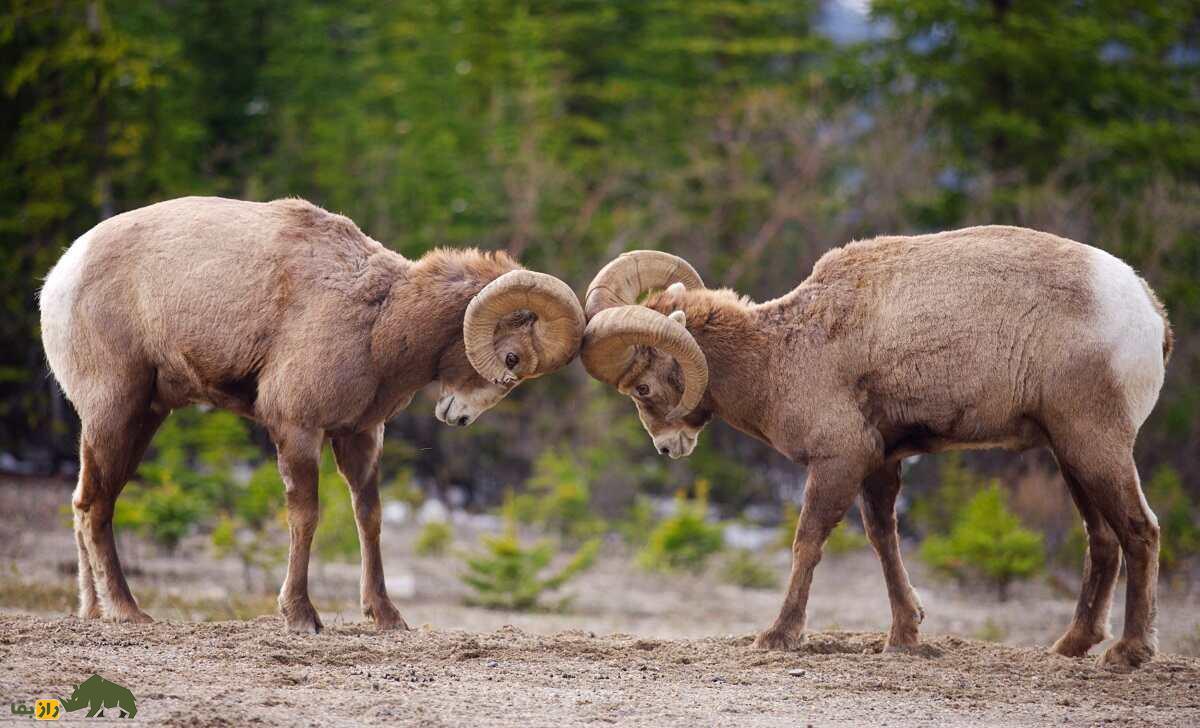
x=643 y=390
x=511 y=360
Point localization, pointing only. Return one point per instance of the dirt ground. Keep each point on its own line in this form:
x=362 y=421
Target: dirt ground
x=631 y=648
x=249 y=673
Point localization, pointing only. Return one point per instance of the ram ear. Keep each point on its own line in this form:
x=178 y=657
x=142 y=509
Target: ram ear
x=675 y=290
x=678 y=317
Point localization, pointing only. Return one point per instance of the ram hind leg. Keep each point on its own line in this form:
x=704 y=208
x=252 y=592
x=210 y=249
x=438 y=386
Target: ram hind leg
x=89 y=602
x=1102 y=461
x=358 y=460
x=1137 y=530
x=879 y=492
x=112 y=445
x=1089 y=627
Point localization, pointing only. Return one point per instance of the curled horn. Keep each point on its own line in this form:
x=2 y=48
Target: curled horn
x=631 y=274
x=616 y=323
x=559 y=325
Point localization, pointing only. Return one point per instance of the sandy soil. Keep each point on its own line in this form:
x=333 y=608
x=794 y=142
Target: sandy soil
x=239 y=673
x=632 y=648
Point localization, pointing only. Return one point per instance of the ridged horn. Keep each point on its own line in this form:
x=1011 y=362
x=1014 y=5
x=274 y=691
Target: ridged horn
x=612 y=333
x=631 y=274
x=559 y=325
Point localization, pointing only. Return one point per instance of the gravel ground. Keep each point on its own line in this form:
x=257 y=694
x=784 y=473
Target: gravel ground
x=632 y=648
x=249 y=672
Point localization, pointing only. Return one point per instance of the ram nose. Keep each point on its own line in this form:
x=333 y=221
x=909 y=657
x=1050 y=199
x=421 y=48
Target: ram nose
x=675 y=445
x=453 y=411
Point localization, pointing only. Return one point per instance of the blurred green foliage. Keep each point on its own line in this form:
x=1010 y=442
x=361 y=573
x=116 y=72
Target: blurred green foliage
x=163 y=511
x=251 y=530
x=745 y=568
x=732 y=133
x=507 y=575
x=938 y=512
x=1072 y=551
x=337 y=531
x=402 y=489
x=197 y=480
x=685 y=540
x=845 y=539
x=842 y=540
x=189 y=480
x=558 y=498
x=434 y=539
x=1028 y=85
x=1177 y=513
x=987 y=541
x=637 y=525
x=785 y=534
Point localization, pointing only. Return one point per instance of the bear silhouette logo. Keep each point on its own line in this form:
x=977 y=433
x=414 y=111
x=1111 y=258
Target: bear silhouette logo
x=97 y=694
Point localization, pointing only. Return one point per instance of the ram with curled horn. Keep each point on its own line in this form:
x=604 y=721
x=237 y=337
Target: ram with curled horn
x=983 y=337
x=291 y=316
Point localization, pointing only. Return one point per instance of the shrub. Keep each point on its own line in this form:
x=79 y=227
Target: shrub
x=786 y=534
x=262 y=500
x=559 y=498
x=637 y=525
x=198 y=450
x=686 y=539
x=1073 y=547
x=1180 y=536
x=246 y=532
x=842 y=540
x=938 y=512
x=337 y=531
x=987 y=541
x=509 y=576
x=434 y=538
x=730 y=480
x=189 y=480
x=746 y=569
x=164 y=512
x=254 y=548
x=845 y=539
x=403 y=489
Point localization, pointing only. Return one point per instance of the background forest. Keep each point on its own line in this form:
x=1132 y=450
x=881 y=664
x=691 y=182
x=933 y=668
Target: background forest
x=748 y=137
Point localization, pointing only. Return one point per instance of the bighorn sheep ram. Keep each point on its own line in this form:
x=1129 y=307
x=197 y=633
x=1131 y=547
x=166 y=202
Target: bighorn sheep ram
x=291 y=316
x=984 y=337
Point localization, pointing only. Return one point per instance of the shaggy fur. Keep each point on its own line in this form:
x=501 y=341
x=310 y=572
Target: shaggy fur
x=281 y=312
x=984 y=337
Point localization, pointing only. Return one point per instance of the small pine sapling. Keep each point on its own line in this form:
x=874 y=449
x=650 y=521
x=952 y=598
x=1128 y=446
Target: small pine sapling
x=987 y=541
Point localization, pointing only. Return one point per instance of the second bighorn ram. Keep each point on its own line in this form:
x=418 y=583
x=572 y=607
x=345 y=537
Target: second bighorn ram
x=984 y=337
x=291 y=316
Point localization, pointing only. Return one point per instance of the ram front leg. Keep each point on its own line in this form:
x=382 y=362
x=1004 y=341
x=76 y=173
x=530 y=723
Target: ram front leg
x=299 y=452
x=829 y=492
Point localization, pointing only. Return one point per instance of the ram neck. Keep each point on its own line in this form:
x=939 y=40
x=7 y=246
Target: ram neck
x=739 y=378
x=412 y=333
x=421 y=320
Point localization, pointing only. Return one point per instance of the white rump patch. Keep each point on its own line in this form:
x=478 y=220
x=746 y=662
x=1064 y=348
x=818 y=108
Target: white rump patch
x=57 y=300
x=1130 y=328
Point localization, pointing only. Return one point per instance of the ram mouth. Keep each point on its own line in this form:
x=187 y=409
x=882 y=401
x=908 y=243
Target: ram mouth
x=686 y=444
x=443 y=413
x=681 y=447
